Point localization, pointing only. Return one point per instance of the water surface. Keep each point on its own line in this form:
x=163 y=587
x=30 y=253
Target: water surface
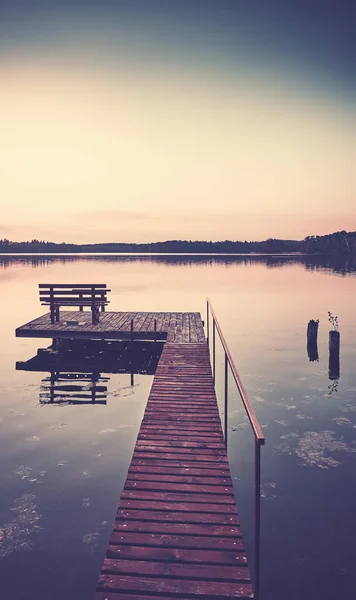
x=63 y=466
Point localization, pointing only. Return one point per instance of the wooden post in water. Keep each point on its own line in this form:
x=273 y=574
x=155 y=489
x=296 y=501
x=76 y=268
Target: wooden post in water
x=334 y=354
x=312 y=340
x=131 y=330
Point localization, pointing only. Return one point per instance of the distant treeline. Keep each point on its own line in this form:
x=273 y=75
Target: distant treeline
x=228 y=247
x=341 y=242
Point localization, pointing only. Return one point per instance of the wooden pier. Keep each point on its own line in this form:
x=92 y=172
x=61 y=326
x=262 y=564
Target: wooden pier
x=177 y=532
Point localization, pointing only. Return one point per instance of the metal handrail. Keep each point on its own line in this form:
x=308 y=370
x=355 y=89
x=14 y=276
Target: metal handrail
x=256 y=428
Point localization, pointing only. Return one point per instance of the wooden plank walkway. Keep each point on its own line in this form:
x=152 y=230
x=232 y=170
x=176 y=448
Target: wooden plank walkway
x=175 y=327
x=176 y=533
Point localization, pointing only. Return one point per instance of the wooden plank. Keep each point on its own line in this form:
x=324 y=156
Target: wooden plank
x=185 y=529
x=193 y=571
x=204 y=589
x=183 y=555
x=200 y=542
x=165 y=486
x=178 y=506
x=71 y=285
x=181 y=518
x=133 y=596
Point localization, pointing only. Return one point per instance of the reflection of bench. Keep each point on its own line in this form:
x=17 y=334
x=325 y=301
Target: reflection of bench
x=67 y=294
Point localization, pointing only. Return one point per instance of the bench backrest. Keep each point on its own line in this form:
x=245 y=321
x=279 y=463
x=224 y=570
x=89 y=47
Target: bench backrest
x=73 y=292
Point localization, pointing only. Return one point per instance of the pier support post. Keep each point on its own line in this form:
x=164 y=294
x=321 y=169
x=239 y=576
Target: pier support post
x=334 y=355
x=312 y=340
x=226 y=391
x=257 y=518
x=207 y=323
x=214 y=351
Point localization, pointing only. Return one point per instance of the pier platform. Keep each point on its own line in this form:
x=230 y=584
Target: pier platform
x=181 y=327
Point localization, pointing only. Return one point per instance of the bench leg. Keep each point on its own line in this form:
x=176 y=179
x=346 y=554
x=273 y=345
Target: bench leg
x=57 y=313
x=95 y=315
x=52 y=315
x=103 y=308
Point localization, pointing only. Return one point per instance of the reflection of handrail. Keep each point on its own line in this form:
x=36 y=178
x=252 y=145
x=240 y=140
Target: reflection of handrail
x=259 y=437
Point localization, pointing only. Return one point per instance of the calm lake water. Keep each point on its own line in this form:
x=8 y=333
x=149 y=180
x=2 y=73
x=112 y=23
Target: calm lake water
x=63 y=466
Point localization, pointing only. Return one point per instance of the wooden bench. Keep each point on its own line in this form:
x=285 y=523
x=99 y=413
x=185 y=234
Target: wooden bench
x=78 y=294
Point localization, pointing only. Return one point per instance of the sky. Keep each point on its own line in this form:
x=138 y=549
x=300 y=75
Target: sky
x=140 y=120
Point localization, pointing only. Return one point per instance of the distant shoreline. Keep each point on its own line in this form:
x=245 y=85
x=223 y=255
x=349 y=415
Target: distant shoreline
x=153 y=254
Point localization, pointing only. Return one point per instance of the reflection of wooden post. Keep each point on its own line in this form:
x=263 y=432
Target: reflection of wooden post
x=312 y=340
x=51 y=388
x=132 y=379
x=334 y=355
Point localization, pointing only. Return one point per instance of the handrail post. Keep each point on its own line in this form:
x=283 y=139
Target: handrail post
x=207 y=322
x=214 y=349
x=259 y=437
x=226 y=375
x=257 y=517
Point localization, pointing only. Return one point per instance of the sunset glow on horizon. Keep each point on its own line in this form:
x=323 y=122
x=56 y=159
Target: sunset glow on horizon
x=144 y=123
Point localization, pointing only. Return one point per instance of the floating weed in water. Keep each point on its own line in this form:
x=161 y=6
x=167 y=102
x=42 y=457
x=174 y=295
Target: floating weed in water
x=85 y=475
x=349 y=408
x=258 y=399
x=237 y=427
x=343 y=421
x=313 y=446
x=287 y=436
x=281 y=422
x=291 y=407
x=268 y=490
x=284 y=447
x=91 y=538
x=15 y=535
x=60 y=426
x=123 y=392
x=32 y=438
x=85 y=502
x=108 y=430
x=61 y=463
x=15 y=413
x=23 y=471
x=303 y=417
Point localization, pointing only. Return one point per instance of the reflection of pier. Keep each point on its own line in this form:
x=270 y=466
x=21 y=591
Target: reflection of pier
x=96 y=356
x=73 y=388
x=76 y=365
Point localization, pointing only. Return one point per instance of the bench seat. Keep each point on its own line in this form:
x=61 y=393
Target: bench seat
x=81 y=295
